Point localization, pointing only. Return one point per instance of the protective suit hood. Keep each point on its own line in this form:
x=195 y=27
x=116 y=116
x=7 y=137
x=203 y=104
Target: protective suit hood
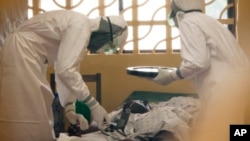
x=185 y=6
x=106 y=30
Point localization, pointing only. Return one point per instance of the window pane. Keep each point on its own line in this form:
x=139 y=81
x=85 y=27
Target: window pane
x=87 y=7
x=112 y=7
x=127 y=4
x=149 y=7
x=215 y=8
x=151 y=37
x=147 y=19
x=50 y=5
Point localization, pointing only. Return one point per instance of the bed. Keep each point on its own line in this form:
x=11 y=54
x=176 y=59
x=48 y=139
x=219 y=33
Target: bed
x=58 y=111
x=172 y=114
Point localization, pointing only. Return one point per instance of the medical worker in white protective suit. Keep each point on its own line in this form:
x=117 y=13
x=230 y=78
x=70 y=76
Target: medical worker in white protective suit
x=217 y=65
x=59 y=38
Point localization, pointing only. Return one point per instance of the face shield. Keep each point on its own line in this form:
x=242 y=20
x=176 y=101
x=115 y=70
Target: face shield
x=172 y=21
x=117 y=40
x=106 y=37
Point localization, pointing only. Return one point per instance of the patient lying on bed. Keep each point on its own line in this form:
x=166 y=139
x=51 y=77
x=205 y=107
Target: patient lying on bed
x=164 y=121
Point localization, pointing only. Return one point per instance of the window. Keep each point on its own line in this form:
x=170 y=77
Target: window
x=149 y=31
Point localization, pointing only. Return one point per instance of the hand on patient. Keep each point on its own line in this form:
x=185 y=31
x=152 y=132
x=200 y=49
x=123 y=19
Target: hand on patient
x=99 y=114
x=74 y=118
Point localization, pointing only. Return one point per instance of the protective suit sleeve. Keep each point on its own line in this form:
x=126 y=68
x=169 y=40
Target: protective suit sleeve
x=73 y=43
x=194 y=52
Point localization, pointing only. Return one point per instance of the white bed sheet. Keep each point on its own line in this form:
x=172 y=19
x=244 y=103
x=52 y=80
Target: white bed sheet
x=172 y=115
x=95 y=136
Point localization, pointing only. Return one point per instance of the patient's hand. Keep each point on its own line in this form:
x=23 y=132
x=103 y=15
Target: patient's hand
x=75 y=130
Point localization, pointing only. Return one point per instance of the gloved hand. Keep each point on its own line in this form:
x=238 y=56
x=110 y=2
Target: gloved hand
x=166 y=76
x=98 y=113
x=75 y=118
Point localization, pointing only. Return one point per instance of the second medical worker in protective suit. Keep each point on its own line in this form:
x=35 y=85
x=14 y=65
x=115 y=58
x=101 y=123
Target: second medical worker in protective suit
x=59 y=38
x=217 y=65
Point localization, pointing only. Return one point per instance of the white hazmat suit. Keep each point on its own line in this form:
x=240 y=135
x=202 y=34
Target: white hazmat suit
x=56 y=37
x=217 y=65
